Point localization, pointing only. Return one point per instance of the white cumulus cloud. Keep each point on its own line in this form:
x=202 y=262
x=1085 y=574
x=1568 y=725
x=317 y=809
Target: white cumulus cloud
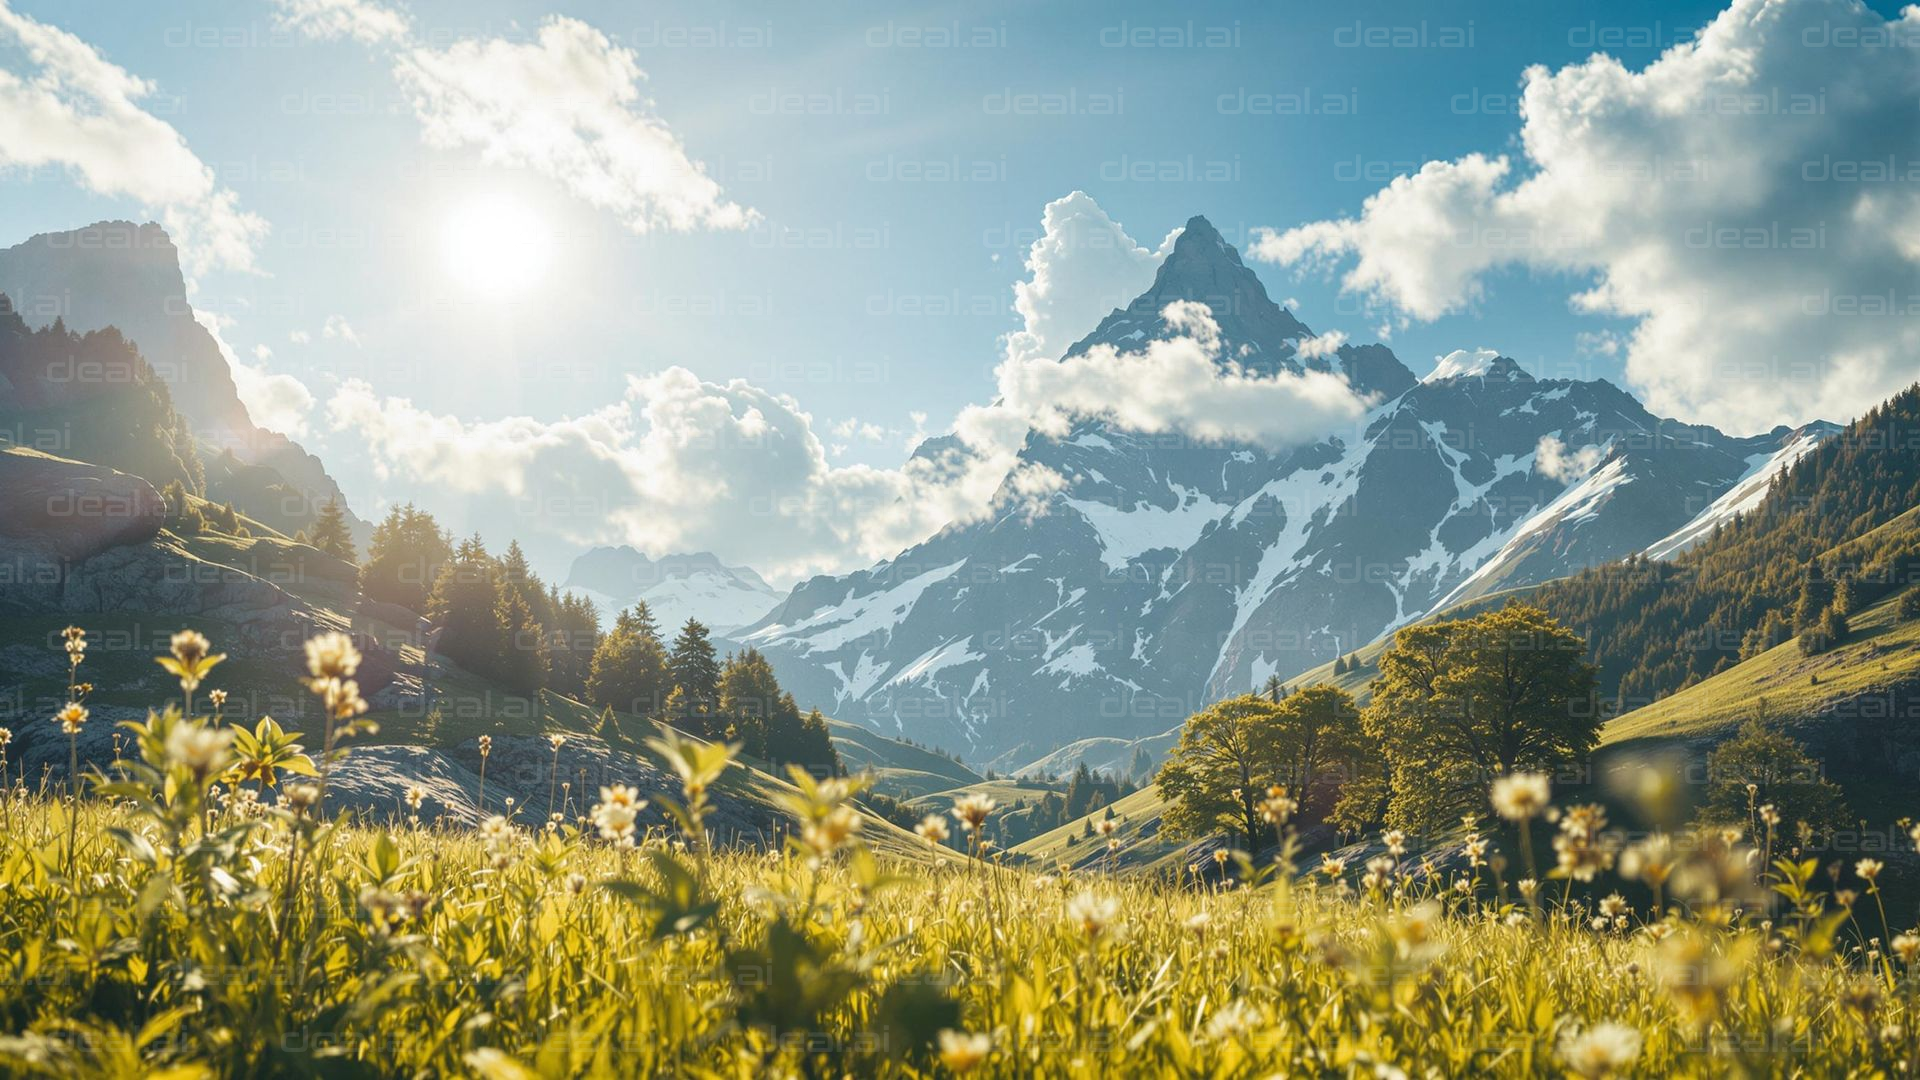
x=1748 y=200
x=337 y=328
x=683 y=464
x=1180 y=384
x=566 y=105
x=1552 y=458
x=365 y=21
x=62 y=104
x=1082 y=267
x=677 y=464
x=1326 y=344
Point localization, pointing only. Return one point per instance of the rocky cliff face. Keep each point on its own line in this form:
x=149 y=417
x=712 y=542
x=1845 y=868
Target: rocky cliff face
x=117 y=273
x=66 y=512
x=126 y=276
x=1169 y=573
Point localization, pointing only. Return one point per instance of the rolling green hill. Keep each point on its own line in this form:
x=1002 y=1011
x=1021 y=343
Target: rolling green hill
x=1138 y=830
x=899 y=769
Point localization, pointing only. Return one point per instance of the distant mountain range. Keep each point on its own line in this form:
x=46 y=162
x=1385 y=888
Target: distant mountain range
x=1164 y=574
x=675 y=587
x=1169 y=573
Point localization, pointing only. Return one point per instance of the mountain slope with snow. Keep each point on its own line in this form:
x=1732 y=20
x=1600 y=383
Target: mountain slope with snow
x=1789 y=446
x=675 y=587
x=1167 y=573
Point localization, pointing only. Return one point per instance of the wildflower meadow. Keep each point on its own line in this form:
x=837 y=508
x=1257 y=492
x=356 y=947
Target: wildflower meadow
x=198 y=909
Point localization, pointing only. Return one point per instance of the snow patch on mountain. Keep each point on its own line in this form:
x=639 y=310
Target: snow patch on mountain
x=1462 y=364
x=1580 y=503
x=875 y=614
x=675 y=588
x=1745 y=495
x=1126 y=534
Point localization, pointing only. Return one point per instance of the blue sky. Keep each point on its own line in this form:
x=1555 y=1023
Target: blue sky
x=898 y=185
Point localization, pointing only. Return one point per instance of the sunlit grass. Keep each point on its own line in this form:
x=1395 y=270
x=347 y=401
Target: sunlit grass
x=179 y=921
x=419 y=950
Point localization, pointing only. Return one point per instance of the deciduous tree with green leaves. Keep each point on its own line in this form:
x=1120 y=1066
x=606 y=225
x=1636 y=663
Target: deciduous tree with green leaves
x=1320 y=734
x=1227 y=756
x=1781 y=774
x=1461 y=702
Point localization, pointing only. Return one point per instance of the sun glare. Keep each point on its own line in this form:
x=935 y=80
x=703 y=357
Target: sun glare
x=495 y=245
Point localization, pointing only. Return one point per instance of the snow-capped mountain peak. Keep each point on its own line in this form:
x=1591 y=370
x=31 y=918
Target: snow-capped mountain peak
x=675 y=587
x=1474 y=364
x=1167 y=573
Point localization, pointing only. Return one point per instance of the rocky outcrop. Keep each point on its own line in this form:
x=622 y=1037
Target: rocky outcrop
x=118 y=273
x=67 y=511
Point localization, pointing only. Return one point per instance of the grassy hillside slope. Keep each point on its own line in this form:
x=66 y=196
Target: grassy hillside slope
x=899 y=769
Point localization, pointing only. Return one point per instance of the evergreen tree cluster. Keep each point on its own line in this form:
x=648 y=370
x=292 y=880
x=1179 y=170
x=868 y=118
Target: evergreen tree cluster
x=494 y=614
x=687 y=685
x=99 y=395
x=404 y=561
x=1822 y=545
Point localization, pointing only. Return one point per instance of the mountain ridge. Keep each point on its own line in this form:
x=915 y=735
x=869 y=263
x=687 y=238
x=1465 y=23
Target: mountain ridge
x=1167 y=572
x=676 y=587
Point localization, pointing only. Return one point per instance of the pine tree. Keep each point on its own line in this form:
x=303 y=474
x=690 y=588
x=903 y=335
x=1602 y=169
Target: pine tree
x=404 y=562
x=1829 y=632
x=516 y=575
x=466 y=604
x=629 y=667
x=572 y=640
x=1909 y=606
x=1848 y=593
x=523 y=647
x=749 y=698
x=1142 y=767
x=816 y=743
x=1080 y=791
x=1274 y=689
x=331 y=533
x=1816 y=595
x=696 y=674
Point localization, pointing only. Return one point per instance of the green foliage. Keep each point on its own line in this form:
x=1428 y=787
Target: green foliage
x=1461 y=702
x=405 y=560
x=1816 y=597
x=629 y=667
x=1319 y=734
x=523 y=655
x=331 y=532
x=100 y=395
x=573 y=638
x=1909 y=606
x=1762 y=766
x=1226 y=757
x=695 y=673
x=1828 y=631
x=466 y=604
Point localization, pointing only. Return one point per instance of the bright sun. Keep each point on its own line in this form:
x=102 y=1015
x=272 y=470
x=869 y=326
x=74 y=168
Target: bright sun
x=495 y=245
